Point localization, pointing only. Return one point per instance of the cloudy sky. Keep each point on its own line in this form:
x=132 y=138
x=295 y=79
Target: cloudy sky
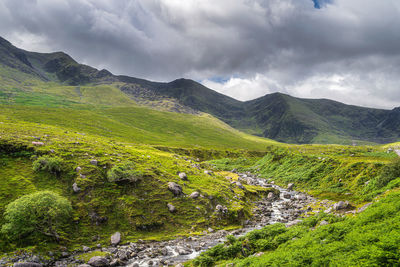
x=347 y=50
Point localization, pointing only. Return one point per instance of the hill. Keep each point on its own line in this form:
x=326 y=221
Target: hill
x=276 y=116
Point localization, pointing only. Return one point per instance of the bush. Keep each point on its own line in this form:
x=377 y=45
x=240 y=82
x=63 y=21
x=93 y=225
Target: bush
x=43 y=213
x=50 y=164
x=124 y=172
x=389 y=173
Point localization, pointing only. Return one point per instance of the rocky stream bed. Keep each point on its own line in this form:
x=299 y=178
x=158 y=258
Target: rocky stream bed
x=285 y=208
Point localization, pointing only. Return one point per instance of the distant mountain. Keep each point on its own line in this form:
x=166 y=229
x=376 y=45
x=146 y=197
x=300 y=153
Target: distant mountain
x=277 y=116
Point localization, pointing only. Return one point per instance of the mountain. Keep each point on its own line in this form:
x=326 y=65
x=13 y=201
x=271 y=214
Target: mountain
x=276 y=116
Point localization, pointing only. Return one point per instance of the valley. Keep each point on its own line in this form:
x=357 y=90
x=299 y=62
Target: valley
x=111 y=170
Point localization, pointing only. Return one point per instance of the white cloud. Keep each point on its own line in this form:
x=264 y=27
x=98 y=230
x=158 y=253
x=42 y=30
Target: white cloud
x=347 y=50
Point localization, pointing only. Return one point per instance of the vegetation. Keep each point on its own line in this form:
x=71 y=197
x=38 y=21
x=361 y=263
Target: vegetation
x=369 y=239
x=124 y=172
x=43 y=213
x=50 y=164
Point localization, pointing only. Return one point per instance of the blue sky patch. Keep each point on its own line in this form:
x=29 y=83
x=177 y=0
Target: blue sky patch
x=321 y=3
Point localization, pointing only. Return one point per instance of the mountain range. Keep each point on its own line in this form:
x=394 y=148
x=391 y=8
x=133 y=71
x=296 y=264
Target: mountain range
x=276 y=116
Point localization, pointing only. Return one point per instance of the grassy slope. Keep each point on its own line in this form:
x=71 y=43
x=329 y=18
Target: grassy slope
x=137 y=210
x=358 y=174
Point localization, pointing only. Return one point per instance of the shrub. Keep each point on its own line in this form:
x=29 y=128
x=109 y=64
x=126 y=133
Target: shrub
x=50 y=164
x=43 y=213
x=124 y=172
x=389 y=173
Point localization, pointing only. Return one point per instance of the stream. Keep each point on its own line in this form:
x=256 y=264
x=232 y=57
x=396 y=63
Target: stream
x=285 y=209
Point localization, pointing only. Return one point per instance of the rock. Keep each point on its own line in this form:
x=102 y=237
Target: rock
x=78 y=169
x=84 y=265
x=94 y=162
x=183 y=176
x=210 y=230
x=175 y=188
x=75 y=188
x=114 y=262
x=287 y=195
x=27 y=264
x=171 y=208
x=115 y=238
x=98 y=261
x=271 y=196
x=64 y=254
x=179 y=265
x=239 y=184
x=122 y=255
x=341 y=205
x=289 y=224
x=194 y=195
x=323 y=222
x=221 y=209
x=258 y=254
x=208 y=172
x=85 y=249
x=300 y=197
x=290 y=186
x=35 y=143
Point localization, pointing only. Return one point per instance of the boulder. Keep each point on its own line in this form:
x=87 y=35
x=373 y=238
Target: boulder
x=271 y=196
x=287 y=195
x=221 y=209
x=78 y=169
x=85 y=249
x=171 y=207
x=75 y=188
x=290 y=186
x=27 y=264
x=194 y=195
x=175 y=188
x=183 y=176
x=35 y=143
x=98 y=261
x=94 y=162
x=341 y=205
x=115 y=238
x=323 y=222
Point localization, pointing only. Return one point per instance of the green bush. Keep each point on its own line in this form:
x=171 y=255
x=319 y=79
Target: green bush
x=389 y=173
x=50 y=164
x=124 y=172
x=40 y=214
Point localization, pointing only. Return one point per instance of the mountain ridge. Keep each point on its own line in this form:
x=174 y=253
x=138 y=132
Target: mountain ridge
x=277 y=116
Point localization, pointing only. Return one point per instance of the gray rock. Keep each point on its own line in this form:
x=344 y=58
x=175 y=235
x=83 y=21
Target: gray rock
x=76 y=188
x=194 y=195
x=287 y=195
x=78 y=169
x=341 y=205
x=179 y=265
x=85 y=249
x=114 y=262
x=289 y=224
x=290 y=186
x=115 y=238
x=27 y=264
x=171 y=208
x=175 y=188
x=122 y=255
x=221 y=209
x=271 y=196
x=84 y=265
x=98 y=261
x=323 y=222
x=37 y=143
x=183 y=176
x=94 y=162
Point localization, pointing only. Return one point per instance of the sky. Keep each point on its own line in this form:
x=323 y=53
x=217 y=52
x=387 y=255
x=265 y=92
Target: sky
x=346 y=50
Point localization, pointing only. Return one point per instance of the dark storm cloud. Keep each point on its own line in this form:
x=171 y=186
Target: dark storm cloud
x=348 y=50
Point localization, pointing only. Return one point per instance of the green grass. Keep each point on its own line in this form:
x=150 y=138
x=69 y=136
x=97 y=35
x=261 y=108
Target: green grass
x=369 y=239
